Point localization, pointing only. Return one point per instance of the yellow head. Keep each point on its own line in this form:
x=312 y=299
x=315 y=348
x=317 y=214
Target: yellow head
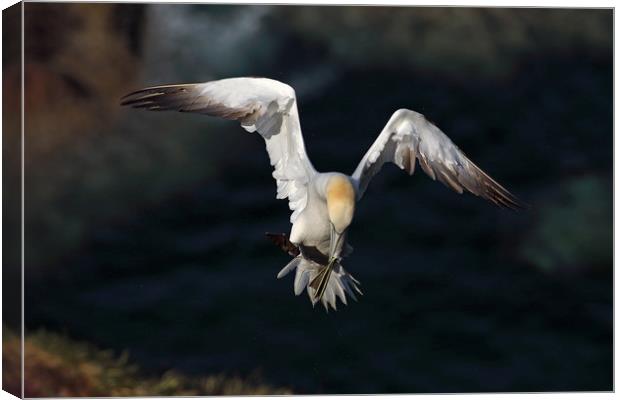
x=340 y=196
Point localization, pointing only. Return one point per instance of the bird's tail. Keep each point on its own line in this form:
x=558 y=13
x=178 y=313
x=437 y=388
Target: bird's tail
x=322 y=282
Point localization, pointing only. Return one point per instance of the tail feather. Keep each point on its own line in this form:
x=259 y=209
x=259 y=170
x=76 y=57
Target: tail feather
x=323 y=283
x=319 y=283
x=289 y=267
x=302 y=277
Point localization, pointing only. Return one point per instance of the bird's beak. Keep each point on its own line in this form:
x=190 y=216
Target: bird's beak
x=336 y=241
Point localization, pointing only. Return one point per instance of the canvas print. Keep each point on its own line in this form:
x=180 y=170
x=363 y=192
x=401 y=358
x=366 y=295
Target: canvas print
x=283 y=199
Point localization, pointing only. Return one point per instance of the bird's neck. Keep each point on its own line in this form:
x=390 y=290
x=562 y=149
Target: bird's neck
x=340 y=197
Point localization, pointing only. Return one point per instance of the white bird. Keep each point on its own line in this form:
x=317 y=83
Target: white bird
x=323 y=204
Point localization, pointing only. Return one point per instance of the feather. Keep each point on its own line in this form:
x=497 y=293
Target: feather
x=301 y=281
x=439 y=158
x=259 y=104
x=289 y=267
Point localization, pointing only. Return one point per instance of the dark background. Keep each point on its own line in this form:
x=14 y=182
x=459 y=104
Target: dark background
x=145 y=230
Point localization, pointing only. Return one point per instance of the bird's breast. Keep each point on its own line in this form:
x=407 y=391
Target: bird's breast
x=312 y=226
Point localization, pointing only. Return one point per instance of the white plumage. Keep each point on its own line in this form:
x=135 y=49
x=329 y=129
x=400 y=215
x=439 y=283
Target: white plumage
x=323 y=204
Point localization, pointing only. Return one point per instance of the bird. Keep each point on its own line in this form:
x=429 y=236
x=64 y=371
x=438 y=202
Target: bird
x=323 y=204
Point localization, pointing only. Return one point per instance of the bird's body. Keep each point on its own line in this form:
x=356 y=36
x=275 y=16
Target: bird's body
x=331 y=202
x=312 y=226
x=323 y=204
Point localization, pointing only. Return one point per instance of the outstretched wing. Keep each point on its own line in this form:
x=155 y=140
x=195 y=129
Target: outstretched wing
x=263 y=105
x=409 y=136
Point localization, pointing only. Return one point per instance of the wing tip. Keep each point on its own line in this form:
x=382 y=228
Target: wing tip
x=510 y=201
x=521 y=205
x=132 y=98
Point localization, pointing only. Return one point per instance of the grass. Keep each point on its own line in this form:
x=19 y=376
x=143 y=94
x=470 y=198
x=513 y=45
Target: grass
x=58 y=366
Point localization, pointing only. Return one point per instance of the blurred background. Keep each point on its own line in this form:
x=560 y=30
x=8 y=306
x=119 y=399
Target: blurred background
x=147 y=269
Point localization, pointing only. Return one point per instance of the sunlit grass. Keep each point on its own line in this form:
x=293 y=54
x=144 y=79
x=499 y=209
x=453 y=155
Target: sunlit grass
x=58 y=366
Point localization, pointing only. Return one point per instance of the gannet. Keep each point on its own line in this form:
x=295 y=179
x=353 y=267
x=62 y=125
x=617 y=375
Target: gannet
x=323 y=203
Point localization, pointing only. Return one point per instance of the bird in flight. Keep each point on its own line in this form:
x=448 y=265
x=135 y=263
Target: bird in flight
x=323 y=203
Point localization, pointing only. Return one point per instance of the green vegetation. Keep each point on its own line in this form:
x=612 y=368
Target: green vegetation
x=574 y=230
x=58 y=366
x=474 y=42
